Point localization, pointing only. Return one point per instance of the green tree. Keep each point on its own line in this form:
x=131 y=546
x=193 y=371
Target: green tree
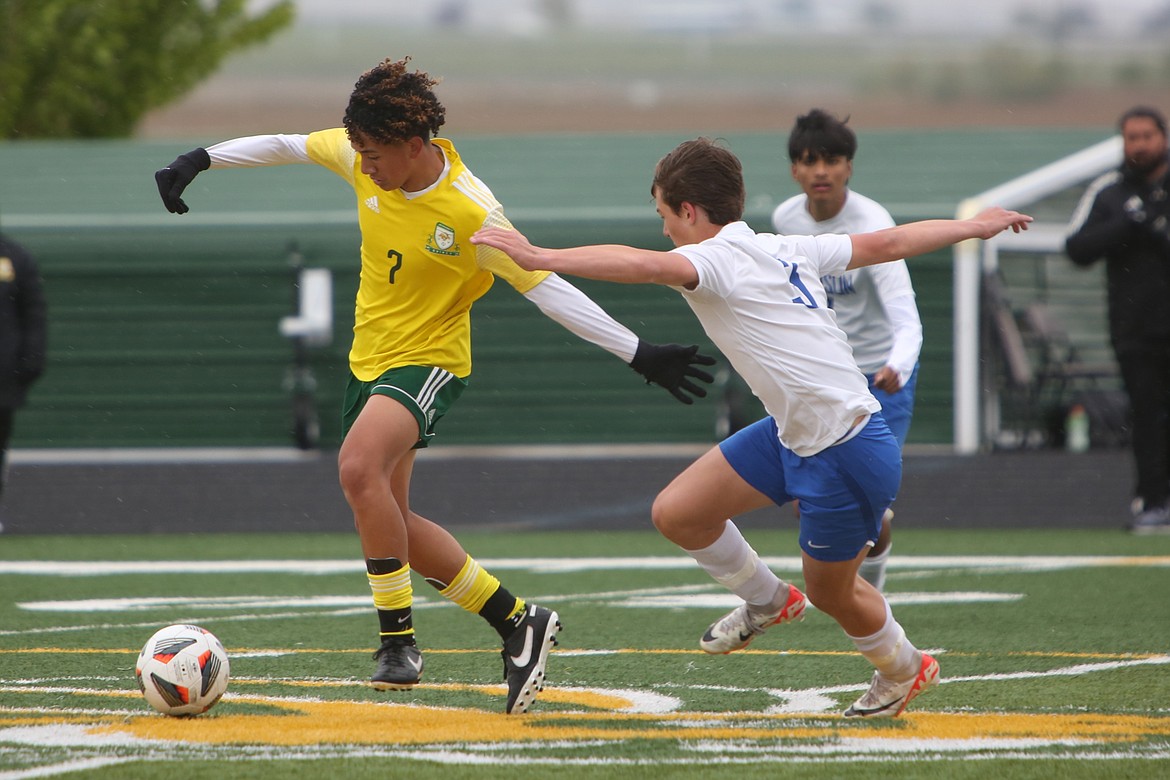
x=92 y=69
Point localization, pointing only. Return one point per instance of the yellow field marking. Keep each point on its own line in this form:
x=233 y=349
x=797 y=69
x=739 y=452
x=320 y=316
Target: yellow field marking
x=572 y=696
x=1143 y=560
x=310 y=723
x=43 y=720
x=1090 y=727
x=388 y=723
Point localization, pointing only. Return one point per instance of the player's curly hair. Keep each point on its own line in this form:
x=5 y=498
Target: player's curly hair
x=703 y=173
x=389 y=105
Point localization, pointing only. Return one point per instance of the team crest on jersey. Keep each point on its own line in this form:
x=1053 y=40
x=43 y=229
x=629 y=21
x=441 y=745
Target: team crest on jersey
x=442 y=241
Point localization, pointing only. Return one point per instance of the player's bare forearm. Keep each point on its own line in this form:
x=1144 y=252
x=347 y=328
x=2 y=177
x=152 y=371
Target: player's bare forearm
x=605 y=262
x=615 y=263
x=918 y=238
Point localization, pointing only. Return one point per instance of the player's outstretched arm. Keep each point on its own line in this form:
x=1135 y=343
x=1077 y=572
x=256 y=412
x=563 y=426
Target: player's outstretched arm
x=918 y=238
x=247 y=152
x=672 y=366
x=605 y=262
x=174 y=178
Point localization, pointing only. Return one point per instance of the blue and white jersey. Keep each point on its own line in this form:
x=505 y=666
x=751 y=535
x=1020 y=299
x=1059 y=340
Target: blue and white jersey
x=860 y=297
x=760 y=300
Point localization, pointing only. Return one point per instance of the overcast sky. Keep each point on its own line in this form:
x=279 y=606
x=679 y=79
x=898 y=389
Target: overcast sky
x=1116 y=17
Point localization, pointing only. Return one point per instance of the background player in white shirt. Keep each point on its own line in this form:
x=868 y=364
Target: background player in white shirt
x=874 y=305
x=824 y=442
x=410 y=359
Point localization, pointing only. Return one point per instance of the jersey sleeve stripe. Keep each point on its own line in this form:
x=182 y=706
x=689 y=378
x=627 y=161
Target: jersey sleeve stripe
x=476 y=191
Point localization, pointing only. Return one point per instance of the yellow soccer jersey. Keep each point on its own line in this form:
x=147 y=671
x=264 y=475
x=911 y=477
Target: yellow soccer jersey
x=420 y=273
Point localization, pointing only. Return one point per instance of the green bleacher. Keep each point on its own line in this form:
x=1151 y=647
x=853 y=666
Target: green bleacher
x=164 y=332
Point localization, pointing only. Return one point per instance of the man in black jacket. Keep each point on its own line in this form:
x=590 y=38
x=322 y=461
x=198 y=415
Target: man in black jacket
x=1124 y=217
x=22 y=336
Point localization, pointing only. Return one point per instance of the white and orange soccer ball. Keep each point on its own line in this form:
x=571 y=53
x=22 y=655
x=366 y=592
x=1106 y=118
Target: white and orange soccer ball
x=182 y=670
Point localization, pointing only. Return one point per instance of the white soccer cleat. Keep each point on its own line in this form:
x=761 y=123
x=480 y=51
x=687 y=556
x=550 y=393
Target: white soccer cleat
x=736 y=630
x=886 y=699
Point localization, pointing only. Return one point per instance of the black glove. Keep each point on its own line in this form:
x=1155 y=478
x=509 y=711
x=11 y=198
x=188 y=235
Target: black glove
x=670 y=365
x=174 y=178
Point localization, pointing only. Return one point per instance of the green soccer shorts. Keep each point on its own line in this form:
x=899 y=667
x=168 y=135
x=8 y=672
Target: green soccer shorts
x=426 y=391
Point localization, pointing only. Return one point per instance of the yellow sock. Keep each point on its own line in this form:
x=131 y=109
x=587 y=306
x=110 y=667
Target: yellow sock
x=472 y=586
x=393 y=597
x=477 y=591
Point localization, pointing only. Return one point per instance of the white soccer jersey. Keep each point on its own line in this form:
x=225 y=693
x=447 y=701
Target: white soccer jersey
x=760 y=300
x=878 y=335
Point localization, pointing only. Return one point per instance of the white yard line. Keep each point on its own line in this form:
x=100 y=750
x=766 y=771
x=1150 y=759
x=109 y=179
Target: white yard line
x=1022 y=563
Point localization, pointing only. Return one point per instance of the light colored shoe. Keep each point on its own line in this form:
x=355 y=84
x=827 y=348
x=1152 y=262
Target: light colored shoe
x=1151 y=521
x=886 y=699
x=736 y=630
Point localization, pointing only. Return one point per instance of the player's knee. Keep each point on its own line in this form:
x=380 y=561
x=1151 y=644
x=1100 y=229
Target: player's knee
x=662 y=515
x=356 y=475
x=833 y=598
x=827 y=600
x=682 y=519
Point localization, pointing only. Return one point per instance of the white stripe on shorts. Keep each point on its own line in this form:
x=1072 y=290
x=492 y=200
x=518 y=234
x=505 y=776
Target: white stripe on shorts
x=431 y=387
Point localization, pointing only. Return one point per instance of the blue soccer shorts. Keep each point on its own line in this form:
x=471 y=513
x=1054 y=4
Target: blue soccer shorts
x=843 y=490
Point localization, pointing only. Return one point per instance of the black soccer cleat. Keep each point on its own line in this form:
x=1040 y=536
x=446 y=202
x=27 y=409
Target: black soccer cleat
x=525 y=655
x=400 y=664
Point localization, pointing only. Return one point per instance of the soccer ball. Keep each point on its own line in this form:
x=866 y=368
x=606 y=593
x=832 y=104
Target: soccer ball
x=182 y=670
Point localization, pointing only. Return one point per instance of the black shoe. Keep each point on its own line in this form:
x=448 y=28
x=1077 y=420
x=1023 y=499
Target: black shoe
x=400 y=664
x=525 y=654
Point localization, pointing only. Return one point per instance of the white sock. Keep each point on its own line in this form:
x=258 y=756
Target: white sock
x=733 y=563
x=873 y=570
x=889 y=650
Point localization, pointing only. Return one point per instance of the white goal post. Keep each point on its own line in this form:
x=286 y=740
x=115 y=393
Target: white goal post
x=974 y=258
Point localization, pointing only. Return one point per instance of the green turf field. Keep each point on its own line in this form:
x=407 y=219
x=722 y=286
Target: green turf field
x=1054 y=646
